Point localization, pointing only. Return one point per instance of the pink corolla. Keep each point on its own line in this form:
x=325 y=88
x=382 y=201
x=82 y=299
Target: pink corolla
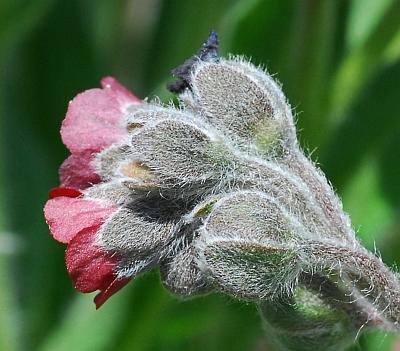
x=94 y=122
x=116 y=209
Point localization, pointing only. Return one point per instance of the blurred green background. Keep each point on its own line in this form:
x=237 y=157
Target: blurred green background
x=339 y=63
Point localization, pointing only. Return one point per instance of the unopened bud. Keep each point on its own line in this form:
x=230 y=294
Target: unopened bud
x=245 y=102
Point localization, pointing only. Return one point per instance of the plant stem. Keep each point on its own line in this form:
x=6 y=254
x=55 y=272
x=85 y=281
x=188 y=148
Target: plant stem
x=376 y=283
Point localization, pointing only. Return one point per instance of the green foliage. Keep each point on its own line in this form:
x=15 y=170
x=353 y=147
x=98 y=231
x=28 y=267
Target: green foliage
x=339 y=62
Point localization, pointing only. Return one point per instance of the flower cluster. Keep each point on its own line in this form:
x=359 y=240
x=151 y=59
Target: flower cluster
x=94 y=122
x=215 y=192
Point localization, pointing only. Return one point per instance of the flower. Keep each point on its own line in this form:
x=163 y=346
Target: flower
x=216 y=193
x=94 y=121
x=149 y=185
x=143 y=179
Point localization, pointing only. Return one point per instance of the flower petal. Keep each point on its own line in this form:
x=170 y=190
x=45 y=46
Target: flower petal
x=77 y=172
x=67 y=216
x=95 y=118
x=92 y=268
x=116 y=285
x=116 y=89
x=64 y=191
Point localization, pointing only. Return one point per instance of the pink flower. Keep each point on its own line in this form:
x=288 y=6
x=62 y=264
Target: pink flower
x=117 y=211
x=94 y=122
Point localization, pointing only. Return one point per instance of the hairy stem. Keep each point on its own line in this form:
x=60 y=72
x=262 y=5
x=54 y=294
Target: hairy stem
x=324 y=195
x=345 y=298
x=375 y=281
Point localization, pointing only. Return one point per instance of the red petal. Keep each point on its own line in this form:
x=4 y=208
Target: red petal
x=66 y=216
x=94 y=118
x=63 y=191
x=116 y=285
x=91 y=268
x=88 y=265
x=77 y=171
x=93 y=122
x=116 y=89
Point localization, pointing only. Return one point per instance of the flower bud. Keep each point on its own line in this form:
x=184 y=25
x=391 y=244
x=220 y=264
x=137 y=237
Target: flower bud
x=307 y=323
x=181 y=275
x=245 y=102
x=181 y=151
x=248 y=246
